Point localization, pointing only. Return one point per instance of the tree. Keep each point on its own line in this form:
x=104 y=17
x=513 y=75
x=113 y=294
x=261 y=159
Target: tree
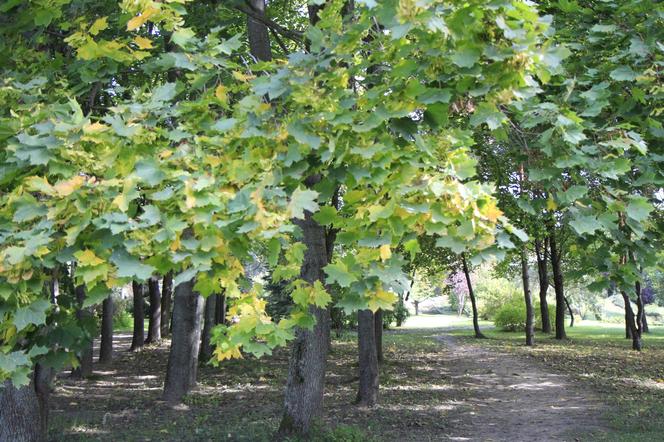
x=154 y=323
x=138 y=311
x=106 y=341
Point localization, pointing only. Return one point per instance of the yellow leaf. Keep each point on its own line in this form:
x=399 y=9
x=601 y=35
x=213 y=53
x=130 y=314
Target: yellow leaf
x=551 y=204
x=87 y=258
x=231 y=353
x=94 y=128
x=121 y=202
x=99 y=25
x=39 y=184
x=143 y=43
x=385 y=252
x=66 y=188
x=381 y=299
x=492 y=212
x=138 y=21
x=221 y=93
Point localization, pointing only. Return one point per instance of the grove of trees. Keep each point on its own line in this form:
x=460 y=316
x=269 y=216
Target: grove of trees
x=332 y=148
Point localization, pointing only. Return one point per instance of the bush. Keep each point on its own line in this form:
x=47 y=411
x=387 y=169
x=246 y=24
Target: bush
x=512 y=316
x=122 y=320
x=397 y=316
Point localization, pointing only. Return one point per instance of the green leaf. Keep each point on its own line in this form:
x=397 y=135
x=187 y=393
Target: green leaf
x=131 y=267
x=274 y=249
x=326 y=215
x=452 y=243
x=34 y=313
x=623 y=73
x=639 y=209
x=338 y=272
x=182 y=37
x=489 y=114
x=585 y=224
x=28 y=211
x=147 y=170
x=466 y=57
x=302 y=200
x=224 y=124
x=302 y=136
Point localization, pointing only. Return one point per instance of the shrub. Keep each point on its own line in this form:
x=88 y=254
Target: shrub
x=398 y=315
x=122 y=320
x=512 y=316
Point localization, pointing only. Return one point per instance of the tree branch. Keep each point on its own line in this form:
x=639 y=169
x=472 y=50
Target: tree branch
x=296 y=36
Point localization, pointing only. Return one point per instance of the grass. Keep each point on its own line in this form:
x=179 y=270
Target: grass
x=598 y=353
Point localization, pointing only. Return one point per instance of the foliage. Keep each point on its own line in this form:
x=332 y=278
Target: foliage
x=511 y=316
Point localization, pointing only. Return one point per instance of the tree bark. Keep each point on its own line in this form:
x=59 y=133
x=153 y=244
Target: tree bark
x=631 y=323
x=24 y=410
x=138 y=337
x=367 y=393
x=183 y=356
x=154 y=324
x=646 y=329
x=571 y=313
x=83 y=316
x=471 y=293
x=558 y=286
x=220 y=309
x=303 y=398
x=378 y=334
x=210 y=322
x=106 y=342
x=166 y=297
x=543 y=276
x=258 y=33
x=530 y=314
x=639 y=308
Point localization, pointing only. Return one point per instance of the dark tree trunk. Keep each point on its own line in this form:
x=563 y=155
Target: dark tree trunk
x=471 y=293
x=417 y=307
x=631 y=323
x=543 y=276
x=367 y=393
x=83 y=316
x=398 y=318
x=166 y=297
x=378 y=334
x=185 y=343
x=24 y=410
x=138 y=337
x=571 y=313
x=154 y=324
x=259 y=37
x=558 y=287
x=220 y=309
x=628 y=330
x=640 y=313
x=210 y=322
x=106 y=342
x=303 y=398
x=530 y=314
x=646 y=329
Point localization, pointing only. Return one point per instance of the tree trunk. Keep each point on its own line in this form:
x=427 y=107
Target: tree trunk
x=138 y=337
x=417 y=307
x=646 y=329
x=367 y=393
x=24 y=410
x=530 y=314
x=303 y=398
x=378 y=334
x=259 y=37
x=639 y=308
x=631 y=323
x=166 y=297
x=471 y=293
x=154 y=325
x=543 y=276
x=220 y=309
x=185 y=343
x=571 y=313
x=210 y=322
x=84 y=317
x=106 y=342
x=558 y=286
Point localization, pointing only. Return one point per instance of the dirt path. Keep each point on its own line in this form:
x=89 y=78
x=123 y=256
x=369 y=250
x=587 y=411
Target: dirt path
x=509 y=398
